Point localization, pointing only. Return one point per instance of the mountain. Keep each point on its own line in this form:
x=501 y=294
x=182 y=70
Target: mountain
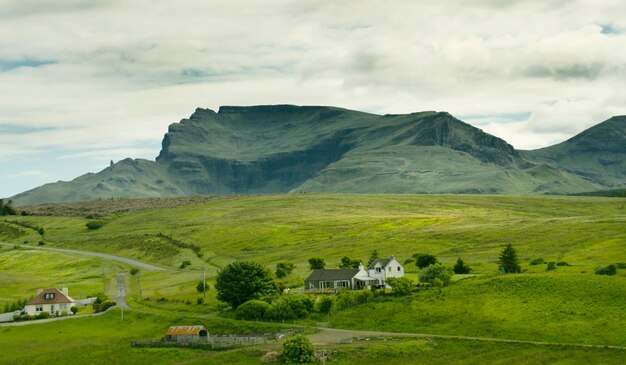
x=286 y=148
x=598 y=154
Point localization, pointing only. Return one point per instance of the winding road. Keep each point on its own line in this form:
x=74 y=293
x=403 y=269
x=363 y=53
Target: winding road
x=107 y=256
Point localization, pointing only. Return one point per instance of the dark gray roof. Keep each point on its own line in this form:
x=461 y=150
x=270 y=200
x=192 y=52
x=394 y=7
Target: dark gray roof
x=382 y=262
x=332 y=274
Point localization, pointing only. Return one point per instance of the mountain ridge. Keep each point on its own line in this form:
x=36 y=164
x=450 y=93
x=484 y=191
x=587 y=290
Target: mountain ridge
x=289 y=148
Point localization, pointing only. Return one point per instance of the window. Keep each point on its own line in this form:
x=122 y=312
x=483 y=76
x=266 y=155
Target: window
x=389 y=268
x=378 y=269
x=49 y=296
x=63 y=307
x=51 y=308
x=39 y=308
x=399 y=269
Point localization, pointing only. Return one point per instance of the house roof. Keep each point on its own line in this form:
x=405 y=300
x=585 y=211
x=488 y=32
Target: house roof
x=184 y=330
x=59 y=297
x=332 y=274
x=382 y=262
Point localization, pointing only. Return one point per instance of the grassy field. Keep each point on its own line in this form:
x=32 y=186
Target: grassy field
x=539 y=307
x=569 y=304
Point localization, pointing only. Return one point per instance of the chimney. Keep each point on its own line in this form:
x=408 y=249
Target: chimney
x=64 y=291
x=39 y=291
x=361 y=267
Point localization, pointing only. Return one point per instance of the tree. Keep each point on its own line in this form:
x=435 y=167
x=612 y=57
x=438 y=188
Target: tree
x=508 y=260
x=298 y=350
x=316 y=263
x=347 y=263
x=423 y=260
x=201 y=286
x=461 y=267
x=241 y=281
x=283 y=269
x=400 y=286
x=7 y=209
x=435 y=272
x=373 y=257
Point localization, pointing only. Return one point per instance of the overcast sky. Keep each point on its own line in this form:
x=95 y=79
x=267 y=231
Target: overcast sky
x=83 y=82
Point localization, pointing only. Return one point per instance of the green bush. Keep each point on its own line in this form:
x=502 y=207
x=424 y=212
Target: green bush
x=41 y=243
x=283 y=269
x=252 y=310
x=423 y=260
x=400 y=286
x=621 y=265
x=436 y=272
x=537 y=261
x=95 y=224
x=326 y=304
x=289 y=307
x=42 y=315
x=134 y=271
x=106 y=305
x=184 y=264
x=551 y=266
x=351 y=298
x=298 y=350
x=202 y=285
x=607 y=270
x=461 y=267
x=200 y=300
x=562 y=263
x=74 y=310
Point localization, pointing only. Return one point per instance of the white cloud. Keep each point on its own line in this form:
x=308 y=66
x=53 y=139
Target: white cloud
x=110 y=74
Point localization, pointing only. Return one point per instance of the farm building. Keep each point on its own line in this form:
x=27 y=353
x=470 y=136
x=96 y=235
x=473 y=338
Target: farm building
x=186 y=334
x=375 y=275
x=339 y=278
x=52 y=300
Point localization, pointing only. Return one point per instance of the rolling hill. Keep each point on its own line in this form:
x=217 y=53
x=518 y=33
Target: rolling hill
x=286 y=148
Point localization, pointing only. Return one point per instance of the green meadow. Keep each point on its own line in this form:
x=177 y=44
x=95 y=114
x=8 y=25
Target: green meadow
x=568 y=305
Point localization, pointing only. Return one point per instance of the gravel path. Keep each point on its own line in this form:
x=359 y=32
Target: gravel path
x=334 y=335
x=107 y=256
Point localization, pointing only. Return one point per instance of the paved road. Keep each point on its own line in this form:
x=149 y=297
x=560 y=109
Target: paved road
x=107 y=256
x=120 y=299
x=333 y=335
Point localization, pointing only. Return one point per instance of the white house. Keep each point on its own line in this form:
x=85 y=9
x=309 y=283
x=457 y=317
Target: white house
x=339 y=278
x=52 y=300
x=383 y=269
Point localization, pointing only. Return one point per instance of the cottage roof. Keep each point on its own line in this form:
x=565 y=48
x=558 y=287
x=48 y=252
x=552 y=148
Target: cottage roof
x=184 y=330
x=382 y=262
x=57 y=297
x=332 y=274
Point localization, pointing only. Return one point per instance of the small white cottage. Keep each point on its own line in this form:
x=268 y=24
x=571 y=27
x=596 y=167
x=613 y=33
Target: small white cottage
x=52 y=300
x=383 y=269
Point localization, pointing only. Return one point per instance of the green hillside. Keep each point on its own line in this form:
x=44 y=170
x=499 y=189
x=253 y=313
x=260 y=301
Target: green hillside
x=285 y=148
x=583 y=231
x=568 y=305
x=598 y=154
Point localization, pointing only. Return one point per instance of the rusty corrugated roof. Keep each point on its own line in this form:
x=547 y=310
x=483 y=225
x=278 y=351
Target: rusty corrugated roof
x=184 y=330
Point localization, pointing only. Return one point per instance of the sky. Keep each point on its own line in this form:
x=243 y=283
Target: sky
x=84 y=82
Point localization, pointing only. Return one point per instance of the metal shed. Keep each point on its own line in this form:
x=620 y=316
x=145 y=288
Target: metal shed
x=186 y=334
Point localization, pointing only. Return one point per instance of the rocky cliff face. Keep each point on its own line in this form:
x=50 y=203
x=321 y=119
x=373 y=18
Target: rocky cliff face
x=283 y=148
